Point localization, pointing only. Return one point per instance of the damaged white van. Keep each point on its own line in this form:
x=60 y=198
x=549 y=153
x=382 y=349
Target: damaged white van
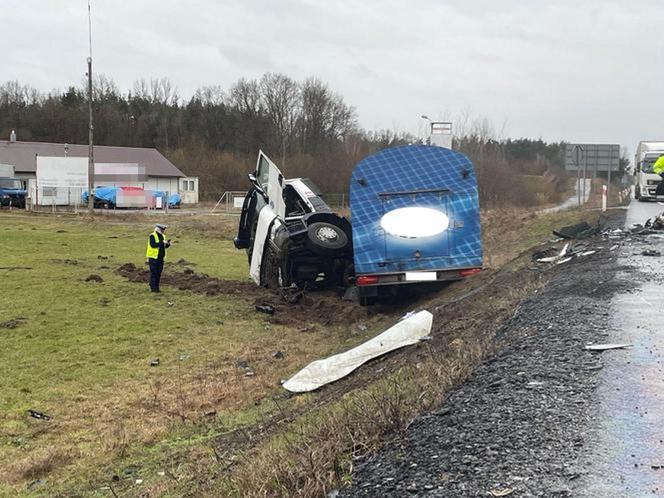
x=291 y=235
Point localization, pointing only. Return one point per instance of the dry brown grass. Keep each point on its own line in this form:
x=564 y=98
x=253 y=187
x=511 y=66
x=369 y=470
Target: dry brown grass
x=38 y=464
x=317 y=452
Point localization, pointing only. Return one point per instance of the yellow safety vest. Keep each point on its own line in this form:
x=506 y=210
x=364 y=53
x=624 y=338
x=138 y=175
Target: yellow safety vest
x=153 y=252
x=659 y=166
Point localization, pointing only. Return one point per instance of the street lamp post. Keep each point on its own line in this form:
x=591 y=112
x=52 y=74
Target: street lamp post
x=423 y=116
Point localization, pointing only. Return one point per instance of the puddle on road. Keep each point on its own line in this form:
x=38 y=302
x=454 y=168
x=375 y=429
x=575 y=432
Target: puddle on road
x=625 y=454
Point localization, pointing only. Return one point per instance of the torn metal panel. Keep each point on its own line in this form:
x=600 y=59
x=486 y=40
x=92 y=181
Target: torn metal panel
x=604 y=347
x=408 y=331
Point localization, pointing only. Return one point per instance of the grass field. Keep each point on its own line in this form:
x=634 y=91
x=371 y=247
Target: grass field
x=80 y=351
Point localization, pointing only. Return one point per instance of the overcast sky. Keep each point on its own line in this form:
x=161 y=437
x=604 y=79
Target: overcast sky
x=575 y=70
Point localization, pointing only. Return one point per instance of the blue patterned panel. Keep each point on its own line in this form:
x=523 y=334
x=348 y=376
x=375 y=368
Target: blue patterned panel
x=422 y=176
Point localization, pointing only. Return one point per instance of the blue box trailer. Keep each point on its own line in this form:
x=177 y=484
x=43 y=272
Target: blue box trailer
x=415 y=218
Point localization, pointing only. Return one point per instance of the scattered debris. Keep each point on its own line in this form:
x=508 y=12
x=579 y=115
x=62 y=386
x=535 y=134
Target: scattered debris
x=104 y=301
x=651 y=252
x=501 y=492
x=170 y=303
x=94 y=278
x=242 y=364
x=13 y=323
x=11 y=268
x=36 y=484
x=579 y=231
x=61 y=231
x=278 y=355
x=183 y=356
x=318 y=373
x=102 y=257
x=265 y=308
x=39 y=415
x=155 y=362
x=604 y=347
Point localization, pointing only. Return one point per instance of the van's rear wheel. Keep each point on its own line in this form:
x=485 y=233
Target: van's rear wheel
x=326 y=239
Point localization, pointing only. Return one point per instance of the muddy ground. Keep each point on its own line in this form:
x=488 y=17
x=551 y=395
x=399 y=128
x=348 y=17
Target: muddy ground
x=517 y=425
x=315 y=308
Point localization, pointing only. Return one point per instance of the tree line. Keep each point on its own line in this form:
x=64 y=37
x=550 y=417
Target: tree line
x=306 y=127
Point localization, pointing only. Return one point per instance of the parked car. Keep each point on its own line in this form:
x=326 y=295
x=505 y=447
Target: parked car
x=12 y=192
x=291 y=235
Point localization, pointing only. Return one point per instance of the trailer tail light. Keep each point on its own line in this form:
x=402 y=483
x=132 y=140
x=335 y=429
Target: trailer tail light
x=469 y=272
x=367 y=280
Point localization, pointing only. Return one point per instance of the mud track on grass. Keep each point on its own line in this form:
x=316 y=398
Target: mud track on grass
x=315 y=309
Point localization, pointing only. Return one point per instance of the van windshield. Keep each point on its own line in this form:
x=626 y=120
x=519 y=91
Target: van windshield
x=10 y=183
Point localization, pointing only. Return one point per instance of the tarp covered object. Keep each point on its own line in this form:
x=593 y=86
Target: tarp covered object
x=408 y=331
x=108 y=194
x=174 y=200
x=419 y=176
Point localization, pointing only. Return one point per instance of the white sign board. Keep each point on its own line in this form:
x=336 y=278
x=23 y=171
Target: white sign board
x=68 y=172
x=238 y=202
x=441 y=134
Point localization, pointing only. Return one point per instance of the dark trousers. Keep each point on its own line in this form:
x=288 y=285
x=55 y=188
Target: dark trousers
x=156 y=267
x=660 y=186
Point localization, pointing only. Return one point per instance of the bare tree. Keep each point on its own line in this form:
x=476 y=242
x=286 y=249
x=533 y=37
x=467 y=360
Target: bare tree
x=281 y=98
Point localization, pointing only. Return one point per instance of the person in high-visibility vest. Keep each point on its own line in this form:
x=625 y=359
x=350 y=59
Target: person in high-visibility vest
x=658 y=169
x=156 y=253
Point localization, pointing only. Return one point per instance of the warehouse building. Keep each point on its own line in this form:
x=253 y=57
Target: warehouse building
x=159 y=173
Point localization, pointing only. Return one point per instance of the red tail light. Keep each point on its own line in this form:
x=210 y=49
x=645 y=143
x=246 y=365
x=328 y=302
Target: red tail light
x=367 y=280
x=469 y=272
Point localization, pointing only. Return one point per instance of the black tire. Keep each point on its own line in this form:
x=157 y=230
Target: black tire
x=326 y=239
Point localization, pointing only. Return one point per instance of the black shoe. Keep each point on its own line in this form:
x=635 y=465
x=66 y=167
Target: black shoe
x=155 y=290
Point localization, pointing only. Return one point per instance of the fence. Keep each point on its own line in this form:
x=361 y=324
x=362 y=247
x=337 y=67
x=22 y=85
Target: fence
x=71 y=200
x=231 y=201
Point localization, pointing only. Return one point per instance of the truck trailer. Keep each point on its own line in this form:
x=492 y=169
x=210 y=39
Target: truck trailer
x=647 y=152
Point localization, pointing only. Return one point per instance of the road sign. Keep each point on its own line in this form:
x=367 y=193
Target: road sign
x=596 y=157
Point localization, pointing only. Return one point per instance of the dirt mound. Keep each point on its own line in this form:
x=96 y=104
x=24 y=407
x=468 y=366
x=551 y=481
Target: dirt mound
x=323 y=307
x=190 y=280
x=320 y=307
x=13 y=323
x=94 y=278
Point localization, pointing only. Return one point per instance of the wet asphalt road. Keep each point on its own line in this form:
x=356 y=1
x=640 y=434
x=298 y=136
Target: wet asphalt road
x=624 y=455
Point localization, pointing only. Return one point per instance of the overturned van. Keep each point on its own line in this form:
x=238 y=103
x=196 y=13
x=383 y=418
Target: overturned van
x=415 y=218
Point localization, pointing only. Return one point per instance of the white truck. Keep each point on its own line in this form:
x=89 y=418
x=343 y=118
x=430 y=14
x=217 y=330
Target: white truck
x=646 y=181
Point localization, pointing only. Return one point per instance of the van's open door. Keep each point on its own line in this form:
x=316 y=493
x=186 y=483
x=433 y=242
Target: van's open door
x=271 y=181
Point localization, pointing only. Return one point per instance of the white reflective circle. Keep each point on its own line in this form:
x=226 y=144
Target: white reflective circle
x=413 y=222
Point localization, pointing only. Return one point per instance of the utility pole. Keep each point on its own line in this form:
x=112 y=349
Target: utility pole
x=91 y=150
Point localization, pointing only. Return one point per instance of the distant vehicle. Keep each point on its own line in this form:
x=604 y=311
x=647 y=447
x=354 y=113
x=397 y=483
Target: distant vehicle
x=415 y=218
x=646 y=181
x=12 y=192
x=292 y=237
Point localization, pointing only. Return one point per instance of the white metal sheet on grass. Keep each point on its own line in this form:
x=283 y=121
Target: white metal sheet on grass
x=408 y=331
